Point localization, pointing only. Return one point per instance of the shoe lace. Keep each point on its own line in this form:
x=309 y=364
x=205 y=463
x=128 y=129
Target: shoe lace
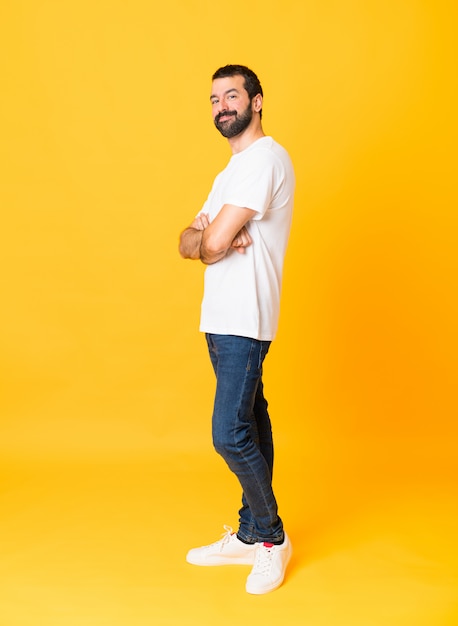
x=226 y=537
x=263 y=562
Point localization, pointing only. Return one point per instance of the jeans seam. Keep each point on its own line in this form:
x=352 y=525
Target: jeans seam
x=246 y=461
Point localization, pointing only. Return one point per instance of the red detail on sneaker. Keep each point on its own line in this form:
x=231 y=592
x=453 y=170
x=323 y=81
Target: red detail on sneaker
x=268 y=545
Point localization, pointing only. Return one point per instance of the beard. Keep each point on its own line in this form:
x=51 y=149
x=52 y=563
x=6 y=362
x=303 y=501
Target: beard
x=232 y=128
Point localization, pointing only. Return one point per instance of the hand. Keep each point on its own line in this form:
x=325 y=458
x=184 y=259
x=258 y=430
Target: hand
x=201 y=222
x=241 y=241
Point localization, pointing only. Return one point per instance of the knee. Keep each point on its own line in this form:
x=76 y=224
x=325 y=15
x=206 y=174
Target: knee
x=230 y=445
x=222 y=445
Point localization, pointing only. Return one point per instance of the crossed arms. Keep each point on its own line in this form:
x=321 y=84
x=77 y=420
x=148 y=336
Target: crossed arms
x=210 y=242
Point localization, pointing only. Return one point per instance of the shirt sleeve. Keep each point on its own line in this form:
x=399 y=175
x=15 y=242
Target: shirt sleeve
x=256 y=183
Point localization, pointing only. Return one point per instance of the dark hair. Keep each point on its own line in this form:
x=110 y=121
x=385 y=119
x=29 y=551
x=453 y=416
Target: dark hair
x=252 y=84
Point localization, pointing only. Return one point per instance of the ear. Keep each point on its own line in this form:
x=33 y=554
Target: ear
x=257 y=103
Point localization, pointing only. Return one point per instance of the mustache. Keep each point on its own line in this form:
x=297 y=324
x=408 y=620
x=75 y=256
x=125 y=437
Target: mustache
x=224 y=114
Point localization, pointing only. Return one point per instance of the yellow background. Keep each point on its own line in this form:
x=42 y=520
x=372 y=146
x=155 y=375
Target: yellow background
x=107 y=151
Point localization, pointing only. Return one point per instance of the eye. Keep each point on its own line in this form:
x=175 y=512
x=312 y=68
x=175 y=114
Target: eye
x=214 y=100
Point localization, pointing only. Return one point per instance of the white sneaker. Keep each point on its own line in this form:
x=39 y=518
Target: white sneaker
x=227 y=551
x=269 y=567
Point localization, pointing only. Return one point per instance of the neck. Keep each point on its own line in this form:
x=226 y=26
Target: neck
x=245 y=139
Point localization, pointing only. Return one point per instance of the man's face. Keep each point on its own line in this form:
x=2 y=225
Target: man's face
x=231 y=106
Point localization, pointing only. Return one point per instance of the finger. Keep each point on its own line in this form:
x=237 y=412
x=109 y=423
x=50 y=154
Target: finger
x=244 y=240
x=244 y=236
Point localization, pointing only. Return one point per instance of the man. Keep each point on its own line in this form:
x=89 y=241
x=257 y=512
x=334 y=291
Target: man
x=241 y=235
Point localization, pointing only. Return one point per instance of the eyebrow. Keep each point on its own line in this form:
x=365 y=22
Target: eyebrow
x=225 y=93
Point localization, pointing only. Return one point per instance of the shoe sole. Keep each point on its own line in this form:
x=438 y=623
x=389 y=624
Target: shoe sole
x=220 y=562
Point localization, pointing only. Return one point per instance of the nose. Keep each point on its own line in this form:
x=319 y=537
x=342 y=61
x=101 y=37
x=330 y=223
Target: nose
x=220 y=107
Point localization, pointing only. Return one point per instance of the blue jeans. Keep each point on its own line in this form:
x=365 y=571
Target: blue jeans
x=242 y=432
